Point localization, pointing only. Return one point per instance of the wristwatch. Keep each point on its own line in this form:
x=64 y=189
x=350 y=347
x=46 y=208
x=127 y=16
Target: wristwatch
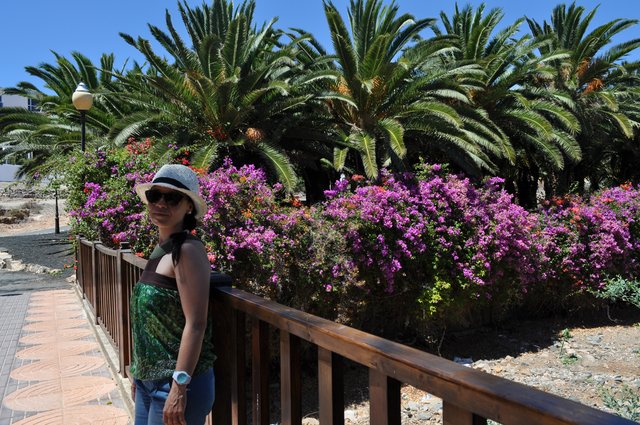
x=181 y=377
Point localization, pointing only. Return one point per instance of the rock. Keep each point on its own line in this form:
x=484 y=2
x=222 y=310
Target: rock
x=465 y=361
x=34 y=268
x=425 y=416
x=570 y=352
x=594 y=339
x=589 y=360
x=15 y=265
x=412 y=405
x=350 y=415
x=482 y=365
x=524 y=371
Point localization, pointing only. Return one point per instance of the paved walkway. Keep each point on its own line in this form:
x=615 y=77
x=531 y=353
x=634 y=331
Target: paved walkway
x=55 y=367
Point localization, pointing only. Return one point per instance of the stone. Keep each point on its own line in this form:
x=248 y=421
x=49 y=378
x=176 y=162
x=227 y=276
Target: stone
x=350 y=415
x=412 y=405
x=425 y=416
x=524 y=371
x=594 y=339
x=15 y=265
x=34 y=268
x=589 y=360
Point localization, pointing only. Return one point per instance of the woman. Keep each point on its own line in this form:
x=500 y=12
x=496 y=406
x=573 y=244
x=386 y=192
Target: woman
x=172 y=347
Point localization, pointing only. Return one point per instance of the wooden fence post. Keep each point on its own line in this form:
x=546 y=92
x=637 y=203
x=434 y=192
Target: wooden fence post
x=260 y=371
x=384 y=399
x=223 y=346
x=79 y=264
x=290 y=379
x=94 y=281
x=330 y=387
x=454 y=415
x=124 y=356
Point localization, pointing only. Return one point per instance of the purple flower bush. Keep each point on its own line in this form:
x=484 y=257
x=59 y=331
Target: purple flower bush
x=436 y=245
x=409 y=251
x=585 y=243
x=102 y=201
x=269 y=246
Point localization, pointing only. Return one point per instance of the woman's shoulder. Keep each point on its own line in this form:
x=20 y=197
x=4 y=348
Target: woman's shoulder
x=193 y=256
x=192 y=244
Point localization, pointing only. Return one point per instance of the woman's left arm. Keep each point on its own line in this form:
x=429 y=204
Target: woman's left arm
x=192 y=274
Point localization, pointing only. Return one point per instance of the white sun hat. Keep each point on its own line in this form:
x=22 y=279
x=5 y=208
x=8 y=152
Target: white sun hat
x=180 y=178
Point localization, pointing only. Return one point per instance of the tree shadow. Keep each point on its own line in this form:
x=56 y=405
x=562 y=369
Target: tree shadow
x=516 y=337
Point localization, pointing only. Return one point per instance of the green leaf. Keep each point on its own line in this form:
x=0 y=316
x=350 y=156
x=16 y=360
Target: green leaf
x=395 y=132
x=279 y=162
x=366 y=145
x=339 y=158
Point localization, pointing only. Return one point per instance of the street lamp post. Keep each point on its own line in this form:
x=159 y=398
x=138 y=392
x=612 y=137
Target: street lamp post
x=56 y=184
x=83 y=100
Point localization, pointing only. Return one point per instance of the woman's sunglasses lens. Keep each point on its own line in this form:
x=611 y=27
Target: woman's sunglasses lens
x=171 y=198
x=153 y=196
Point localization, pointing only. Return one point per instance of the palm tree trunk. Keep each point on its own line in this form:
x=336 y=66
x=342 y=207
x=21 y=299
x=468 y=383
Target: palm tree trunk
x=527 y=185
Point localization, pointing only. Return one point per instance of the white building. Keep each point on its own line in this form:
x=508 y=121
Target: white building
x=8 y=170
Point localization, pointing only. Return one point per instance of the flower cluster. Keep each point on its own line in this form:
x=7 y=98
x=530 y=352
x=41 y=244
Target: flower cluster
x=440 y=238
x=107 y=207
x=585 y=243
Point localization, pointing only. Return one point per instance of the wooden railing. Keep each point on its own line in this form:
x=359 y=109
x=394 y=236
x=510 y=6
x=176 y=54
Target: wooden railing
x=469 y=396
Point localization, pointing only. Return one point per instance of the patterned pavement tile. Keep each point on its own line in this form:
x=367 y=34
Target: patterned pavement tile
x=61 y=367
x=70 y=334
x=79 y=415
x=54 y=324
x=56 y=349
x=58 y=394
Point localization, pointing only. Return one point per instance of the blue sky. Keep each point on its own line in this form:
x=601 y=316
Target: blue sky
x=32 y=28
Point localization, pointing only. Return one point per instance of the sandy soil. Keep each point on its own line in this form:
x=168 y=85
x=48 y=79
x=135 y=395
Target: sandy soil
x=42 y=215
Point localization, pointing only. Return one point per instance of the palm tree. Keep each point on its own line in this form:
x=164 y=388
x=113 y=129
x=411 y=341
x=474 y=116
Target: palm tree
x=536 y=122
x=366 y=119
x=599 y=89
x=235 y=92
x=41 y=140
x=399 y=97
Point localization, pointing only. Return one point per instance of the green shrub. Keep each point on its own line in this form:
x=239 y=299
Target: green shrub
x=618 y=289
x=625 y=401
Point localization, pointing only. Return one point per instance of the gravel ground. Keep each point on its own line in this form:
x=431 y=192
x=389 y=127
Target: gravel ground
x=49 y=250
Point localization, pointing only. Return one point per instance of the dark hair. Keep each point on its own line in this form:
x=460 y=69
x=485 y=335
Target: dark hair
x=178 y=239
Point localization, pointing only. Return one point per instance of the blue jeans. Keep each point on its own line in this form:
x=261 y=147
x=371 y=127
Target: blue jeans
x=151 y=396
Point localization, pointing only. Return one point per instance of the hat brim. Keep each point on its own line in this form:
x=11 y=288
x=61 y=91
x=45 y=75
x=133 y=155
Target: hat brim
x=198 y=202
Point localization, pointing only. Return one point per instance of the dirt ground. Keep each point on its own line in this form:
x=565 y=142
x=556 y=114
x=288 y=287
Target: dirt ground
x=584 y=359
x=41 y=218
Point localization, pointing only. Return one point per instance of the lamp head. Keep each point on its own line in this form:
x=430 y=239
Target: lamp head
x=82 y=98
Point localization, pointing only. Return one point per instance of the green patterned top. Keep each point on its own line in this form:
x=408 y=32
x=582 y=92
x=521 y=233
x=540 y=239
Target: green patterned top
x=157 y=323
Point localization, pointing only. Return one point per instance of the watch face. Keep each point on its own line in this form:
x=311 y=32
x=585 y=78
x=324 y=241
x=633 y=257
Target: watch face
x=181 y=377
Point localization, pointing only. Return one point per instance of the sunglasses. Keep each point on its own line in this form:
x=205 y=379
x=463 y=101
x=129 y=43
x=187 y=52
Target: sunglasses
x=171 y=198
